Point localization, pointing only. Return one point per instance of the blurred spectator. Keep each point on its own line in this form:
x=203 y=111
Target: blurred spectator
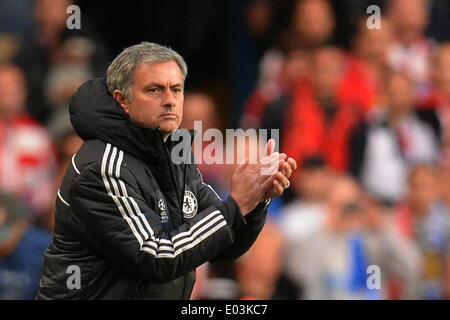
x=216 y=281
x=436 y=108
x=9 y=44
x=359 y=84
x=46 y=51
x=26 y=152
x=424 y=220
x=398 y=260
x=200 y=106
x=65 y=75
x=22 y=248
x=310 y=90
x=368 y=64
x=274 y=115
x=444 y=181
x=412 y=50
x=383 y=150
x=322 y=114
x=444 y=188
x=312 y=25
x=259 y=272
x=38 y=50
x=306 y=214
x=422 y=193
x=252 y=24
x=268 y=89
x=331 y=263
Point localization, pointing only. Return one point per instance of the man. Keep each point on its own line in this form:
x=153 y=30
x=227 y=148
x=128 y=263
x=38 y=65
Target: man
x=383 y=149
x=22 y=248
x=322 y=111
x=131 y=224
x=27 y=157
x=331 y=262
x=412 y=49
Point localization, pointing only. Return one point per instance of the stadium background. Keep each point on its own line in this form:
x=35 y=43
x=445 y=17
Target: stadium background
x=366 y=114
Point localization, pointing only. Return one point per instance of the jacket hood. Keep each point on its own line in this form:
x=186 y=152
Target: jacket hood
x=95 y=114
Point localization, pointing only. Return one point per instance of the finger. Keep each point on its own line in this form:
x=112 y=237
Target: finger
x=269 y=159
x=288 y=167
x=268 y=182
x=275 y=166
x=270 y=147
x=282 y=180
x=280 y=166
x=293 y=163
x=287 y=170
x=265 y=174
x=278 y=187
x=272 y=158
x=269 y=165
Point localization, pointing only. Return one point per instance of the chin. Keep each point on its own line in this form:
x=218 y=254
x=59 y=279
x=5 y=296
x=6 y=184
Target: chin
x=168 y=127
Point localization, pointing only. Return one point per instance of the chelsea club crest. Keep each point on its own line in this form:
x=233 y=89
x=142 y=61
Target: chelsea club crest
x=190 y=205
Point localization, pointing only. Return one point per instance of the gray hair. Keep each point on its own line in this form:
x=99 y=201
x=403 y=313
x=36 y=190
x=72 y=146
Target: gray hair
x=120 y=73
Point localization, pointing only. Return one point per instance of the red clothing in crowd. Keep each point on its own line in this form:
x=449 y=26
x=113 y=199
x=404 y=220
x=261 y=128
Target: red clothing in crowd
x=359 y=85
x=404 y=221
x=308 y=133
x=27 y=162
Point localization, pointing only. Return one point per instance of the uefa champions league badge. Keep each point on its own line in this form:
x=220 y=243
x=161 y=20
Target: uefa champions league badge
x=190 y=205
x=162 y=211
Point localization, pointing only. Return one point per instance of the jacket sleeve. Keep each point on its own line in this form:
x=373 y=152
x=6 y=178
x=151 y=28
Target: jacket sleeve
x=246 y=233
x=125 y=230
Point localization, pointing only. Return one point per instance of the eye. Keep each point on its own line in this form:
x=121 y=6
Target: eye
x=153 y=90
x=177 y=90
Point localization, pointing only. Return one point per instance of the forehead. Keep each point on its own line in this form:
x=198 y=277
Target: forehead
x=164 y=73
x=345 y=190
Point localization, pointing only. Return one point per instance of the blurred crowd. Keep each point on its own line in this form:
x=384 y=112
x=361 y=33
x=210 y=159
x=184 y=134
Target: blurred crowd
x=367 y=120
x=369 y=125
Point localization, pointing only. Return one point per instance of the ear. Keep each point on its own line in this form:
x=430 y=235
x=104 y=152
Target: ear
x=122 y=100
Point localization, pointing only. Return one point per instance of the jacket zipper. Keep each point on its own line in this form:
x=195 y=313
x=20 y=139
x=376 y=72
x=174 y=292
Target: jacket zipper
x=173 y=176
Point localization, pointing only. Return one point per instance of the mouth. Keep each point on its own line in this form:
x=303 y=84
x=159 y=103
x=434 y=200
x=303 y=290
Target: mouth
x=170 y=115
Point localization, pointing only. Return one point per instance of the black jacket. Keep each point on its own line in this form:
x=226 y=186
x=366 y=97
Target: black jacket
x=134 y=224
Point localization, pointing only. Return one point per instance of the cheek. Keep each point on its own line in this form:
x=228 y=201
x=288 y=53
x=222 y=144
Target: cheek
x=181 y=115
x=143 y=115
x=135 y=113
x=181 y=108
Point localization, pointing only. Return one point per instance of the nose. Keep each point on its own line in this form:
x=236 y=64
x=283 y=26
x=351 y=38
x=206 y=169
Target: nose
x=169 y=99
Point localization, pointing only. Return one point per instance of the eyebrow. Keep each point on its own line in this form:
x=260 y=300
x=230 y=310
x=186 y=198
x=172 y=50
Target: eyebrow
x=159 y=85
